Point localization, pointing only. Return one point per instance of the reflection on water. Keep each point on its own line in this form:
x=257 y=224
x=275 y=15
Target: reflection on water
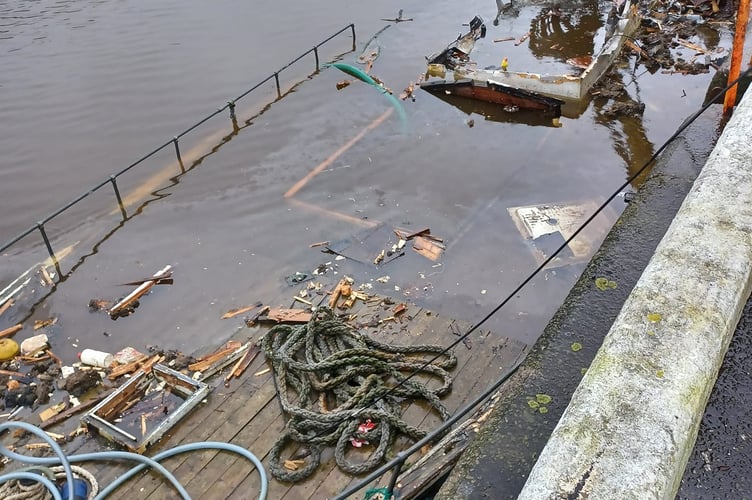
x=496 y=112
x=563 y=34
x=624 y=120
x=80 y=104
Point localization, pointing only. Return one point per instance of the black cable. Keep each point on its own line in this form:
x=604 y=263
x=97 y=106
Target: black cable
x=401 y=458
x=564 y=245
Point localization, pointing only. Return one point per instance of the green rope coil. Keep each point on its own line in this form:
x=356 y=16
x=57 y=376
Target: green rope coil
x=332 y=378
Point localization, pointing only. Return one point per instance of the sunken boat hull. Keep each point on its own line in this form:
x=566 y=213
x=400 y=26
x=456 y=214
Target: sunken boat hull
x=488 y=91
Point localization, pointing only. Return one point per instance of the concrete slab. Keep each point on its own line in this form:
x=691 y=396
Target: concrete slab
x=632 y=422
x=498 y=463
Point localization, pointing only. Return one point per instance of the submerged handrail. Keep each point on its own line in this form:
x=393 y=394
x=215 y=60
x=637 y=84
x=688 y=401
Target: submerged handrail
x=112 y=179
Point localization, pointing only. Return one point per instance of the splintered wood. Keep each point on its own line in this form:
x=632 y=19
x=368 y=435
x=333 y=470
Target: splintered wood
x=426 y=244
x=522 y=39
x=242 y=310
x=11 y=331
x=139 y=292
x=205 y=362
x=144 y=363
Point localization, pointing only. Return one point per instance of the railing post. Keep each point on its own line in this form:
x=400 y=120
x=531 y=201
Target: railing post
x=231 y=107
x=233 y=117
x=113 y=181
x=177 y=153
x=40 y=226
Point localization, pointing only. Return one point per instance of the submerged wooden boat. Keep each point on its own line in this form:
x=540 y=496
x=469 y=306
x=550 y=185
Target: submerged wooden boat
x=493 y=92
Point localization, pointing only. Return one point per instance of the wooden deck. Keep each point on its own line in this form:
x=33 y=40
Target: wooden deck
x=248 y=413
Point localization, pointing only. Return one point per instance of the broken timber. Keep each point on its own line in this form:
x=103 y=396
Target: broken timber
x=132 y=297
x=246 y=414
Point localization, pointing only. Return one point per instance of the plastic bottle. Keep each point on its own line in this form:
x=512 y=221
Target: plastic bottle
x=97 y=358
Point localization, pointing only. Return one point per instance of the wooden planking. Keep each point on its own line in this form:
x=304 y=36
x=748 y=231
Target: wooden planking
x=226 y=472
x=248 y=415
x=240 y=412
x=428 y=330
x=465 y=381
x=200 y=425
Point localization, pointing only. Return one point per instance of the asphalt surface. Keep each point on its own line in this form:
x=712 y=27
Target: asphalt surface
x=498 y=462
x=721 y=462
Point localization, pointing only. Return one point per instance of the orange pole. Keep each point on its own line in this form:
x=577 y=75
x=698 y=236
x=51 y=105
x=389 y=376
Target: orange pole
x=742 y=16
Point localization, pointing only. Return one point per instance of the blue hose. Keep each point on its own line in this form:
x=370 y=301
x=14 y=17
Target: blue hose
x=193 y=447
x=55 y=447
x=117 y=455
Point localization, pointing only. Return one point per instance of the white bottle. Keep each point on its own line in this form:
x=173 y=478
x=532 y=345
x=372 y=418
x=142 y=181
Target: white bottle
x=97 y=358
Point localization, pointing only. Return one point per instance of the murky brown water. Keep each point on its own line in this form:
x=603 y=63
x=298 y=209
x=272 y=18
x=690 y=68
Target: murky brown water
x=89 y=87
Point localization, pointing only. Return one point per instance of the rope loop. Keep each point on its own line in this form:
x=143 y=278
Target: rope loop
x=341 y=388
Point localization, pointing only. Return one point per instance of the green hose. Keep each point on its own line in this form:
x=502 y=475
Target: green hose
x=365 y=77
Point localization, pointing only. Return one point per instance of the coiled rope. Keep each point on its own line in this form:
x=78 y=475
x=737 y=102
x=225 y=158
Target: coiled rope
x=331 y=378
x=30 y=490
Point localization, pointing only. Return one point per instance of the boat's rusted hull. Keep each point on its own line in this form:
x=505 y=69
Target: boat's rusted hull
x=495 y=93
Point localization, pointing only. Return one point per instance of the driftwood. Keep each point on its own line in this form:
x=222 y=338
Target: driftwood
x=241 y=310
x=64 y=415
x=205 y=362
x=145 y=363
x=8 y=303
x=11 y=331
x=139 y=292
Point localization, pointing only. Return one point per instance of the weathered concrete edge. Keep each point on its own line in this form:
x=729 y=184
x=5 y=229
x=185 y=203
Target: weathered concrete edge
x=632 y=422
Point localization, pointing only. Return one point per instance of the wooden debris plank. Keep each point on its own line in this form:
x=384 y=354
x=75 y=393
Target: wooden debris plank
x=428 y=248
x=242 y=310
x=138 y=292
x=208 y=360
x=194 y=467
x=234 y=477
x=5 y=306
x=11 y=331
x=421 y=478
x=282 y=315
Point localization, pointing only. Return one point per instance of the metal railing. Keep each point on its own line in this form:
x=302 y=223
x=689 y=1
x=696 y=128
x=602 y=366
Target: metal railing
x=175 y=141
x=393 y=467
